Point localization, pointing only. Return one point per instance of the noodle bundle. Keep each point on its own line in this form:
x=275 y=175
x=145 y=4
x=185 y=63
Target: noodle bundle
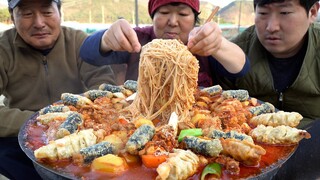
x=167 y=81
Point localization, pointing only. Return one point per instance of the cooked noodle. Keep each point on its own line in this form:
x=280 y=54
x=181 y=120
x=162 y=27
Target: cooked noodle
x=167 y=80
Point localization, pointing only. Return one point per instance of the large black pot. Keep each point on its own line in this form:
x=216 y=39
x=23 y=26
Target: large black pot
x=49 y=173
x=45 y=172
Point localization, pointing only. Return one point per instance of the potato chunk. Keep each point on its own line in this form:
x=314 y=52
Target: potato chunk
x=109 y=164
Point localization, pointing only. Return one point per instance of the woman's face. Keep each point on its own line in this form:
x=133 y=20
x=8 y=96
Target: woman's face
x=174 y=22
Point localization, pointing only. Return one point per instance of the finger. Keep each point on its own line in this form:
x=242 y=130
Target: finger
x=111 y=41
x=192 y=34
x=209 y=37
x=132 y=40
x=200 y=37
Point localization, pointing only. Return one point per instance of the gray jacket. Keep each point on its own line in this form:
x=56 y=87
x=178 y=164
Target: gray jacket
x=31 y=81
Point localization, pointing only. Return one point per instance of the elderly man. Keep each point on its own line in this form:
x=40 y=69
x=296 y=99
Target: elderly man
x=39 y=61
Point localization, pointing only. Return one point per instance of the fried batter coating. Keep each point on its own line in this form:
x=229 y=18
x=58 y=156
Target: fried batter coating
x=243 y=151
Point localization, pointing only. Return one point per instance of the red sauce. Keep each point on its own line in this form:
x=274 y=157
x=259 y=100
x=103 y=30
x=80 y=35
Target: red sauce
x=275 y=156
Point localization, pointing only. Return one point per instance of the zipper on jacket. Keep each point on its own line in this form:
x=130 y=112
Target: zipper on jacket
x=280 y=99
x=45 y=64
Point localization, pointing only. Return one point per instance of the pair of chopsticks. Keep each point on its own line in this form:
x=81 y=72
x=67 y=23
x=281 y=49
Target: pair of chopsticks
x=214 y=12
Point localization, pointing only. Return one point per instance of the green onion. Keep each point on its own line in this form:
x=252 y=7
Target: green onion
x=213 y=168
x=189 y=132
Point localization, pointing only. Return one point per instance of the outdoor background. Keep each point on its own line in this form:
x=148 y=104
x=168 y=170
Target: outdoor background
x=92 y=15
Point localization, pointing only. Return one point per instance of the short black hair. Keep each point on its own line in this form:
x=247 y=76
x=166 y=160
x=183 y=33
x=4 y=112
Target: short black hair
x=307 y=4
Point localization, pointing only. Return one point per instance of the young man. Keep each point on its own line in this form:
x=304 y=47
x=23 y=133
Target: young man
x=39 y=61
x=172 y=19
x=283 y=48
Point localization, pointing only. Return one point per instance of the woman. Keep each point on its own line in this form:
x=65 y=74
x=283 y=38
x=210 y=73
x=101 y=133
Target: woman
x=172 y=19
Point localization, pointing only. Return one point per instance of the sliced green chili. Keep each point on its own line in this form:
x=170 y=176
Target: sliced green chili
x=189 y=132
x=213 y=168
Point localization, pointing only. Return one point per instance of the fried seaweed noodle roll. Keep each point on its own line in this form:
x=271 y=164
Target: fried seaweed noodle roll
x=180 y=165
x=168 y=74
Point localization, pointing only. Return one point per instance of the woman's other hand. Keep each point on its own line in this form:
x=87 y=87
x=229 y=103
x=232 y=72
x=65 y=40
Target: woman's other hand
x=205 y=40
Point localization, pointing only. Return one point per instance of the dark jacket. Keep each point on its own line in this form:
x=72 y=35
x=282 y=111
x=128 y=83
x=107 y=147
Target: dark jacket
x=31 y=81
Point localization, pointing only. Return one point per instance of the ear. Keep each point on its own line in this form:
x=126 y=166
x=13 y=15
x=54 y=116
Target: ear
x=313 y=12
x=11 y=15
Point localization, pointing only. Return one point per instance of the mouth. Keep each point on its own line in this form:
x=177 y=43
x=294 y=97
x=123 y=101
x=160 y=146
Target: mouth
x=40 y=35
x=272 y=39
x=171 y=35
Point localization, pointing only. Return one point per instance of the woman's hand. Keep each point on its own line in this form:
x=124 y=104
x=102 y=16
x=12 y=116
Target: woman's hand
x=120 y=37
x=208 y=41
x=205 y=40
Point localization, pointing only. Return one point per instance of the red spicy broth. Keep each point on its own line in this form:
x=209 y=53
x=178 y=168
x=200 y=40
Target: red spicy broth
x=35 y=138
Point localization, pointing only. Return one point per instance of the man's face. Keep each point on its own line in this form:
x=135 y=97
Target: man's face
x=37 y=22
x=281 y=27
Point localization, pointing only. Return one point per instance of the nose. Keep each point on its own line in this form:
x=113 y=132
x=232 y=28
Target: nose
x=273 y=23
x=173 y=20
x=38 y=21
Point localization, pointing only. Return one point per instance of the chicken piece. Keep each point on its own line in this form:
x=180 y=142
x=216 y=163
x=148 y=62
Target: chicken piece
x=162 y=143
x=291 y=119
x=179 y=166
x=243 y=151
x=278 y=135
x=230 y=164
x=232 y=114
x=185 y=125
x=209 y=124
